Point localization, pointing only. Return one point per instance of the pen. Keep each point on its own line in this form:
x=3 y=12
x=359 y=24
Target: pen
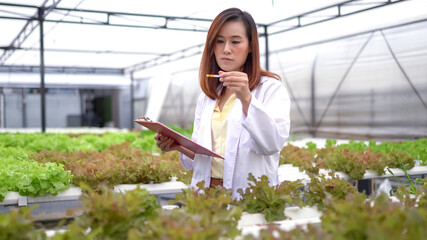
x=212 y=76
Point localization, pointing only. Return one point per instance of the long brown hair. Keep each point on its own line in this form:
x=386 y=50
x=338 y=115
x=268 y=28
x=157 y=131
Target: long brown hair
x=251 y=67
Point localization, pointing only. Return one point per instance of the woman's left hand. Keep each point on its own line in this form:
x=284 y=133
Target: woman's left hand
x=238 y=83
x=165 y=144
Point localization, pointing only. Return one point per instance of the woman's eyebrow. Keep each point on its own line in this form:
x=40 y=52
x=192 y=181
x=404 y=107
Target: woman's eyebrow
x=234 y=36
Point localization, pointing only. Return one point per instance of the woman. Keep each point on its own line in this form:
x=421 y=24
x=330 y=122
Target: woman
x=243 y=115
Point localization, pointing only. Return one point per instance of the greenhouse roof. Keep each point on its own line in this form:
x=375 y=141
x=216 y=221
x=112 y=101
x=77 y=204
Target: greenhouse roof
x=119 y=37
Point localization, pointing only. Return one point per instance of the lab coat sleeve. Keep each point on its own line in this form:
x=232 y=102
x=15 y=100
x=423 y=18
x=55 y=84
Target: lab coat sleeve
x=268 y=119
x=187 y=162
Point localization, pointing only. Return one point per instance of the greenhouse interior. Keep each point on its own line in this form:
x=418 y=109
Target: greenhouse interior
x=80 y=78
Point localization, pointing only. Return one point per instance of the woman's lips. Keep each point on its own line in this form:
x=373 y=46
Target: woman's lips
x=226 y=59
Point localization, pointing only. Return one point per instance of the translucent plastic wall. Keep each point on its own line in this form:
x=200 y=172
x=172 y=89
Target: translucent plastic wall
x=372 y=85
x=181 y=101
x=182 y=92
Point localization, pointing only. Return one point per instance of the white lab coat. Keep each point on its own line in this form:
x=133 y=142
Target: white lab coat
x=254 y=141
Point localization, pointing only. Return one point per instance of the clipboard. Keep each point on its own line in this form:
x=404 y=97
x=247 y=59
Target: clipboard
x=179 y=138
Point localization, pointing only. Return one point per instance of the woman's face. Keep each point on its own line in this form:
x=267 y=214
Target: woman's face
x=232 y=46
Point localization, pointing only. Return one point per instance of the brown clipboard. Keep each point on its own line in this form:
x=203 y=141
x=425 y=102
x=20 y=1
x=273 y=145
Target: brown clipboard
x=179 y=138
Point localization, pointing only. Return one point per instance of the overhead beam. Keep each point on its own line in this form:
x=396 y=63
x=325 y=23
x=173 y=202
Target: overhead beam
x=55 y=69
x=107 y=12
x=165 y=58
x=349 y=36
x=306 y=19
x=181 y=54
x=27 y=29
x=87 y=51
x=107 y=16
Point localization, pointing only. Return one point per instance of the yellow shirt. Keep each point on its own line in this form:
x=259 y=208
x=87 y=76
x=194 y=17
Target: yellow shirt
x=219 y=135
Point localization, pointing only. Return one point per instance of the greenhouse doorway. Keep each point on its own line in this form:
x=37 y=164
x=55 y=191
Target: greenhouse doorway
x=97 y=108
x=103 y=109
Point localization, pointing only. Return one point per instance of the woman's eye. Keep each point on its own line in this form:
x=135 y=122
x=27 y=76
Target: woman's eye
x=235 y=42
x=219 y=41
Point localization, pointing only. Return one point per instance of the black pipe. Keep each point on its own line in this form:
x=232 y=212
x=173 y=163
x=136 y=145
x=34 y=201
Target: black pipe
x=132 y=80
x=42 y=88
x=267 y=55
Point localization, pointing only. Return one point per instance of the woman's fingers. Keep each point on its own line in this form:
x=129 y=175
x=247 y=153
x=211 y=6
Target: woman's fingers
x=168 y=143
x=234 y=79
x=164 y=143
x=238 y=83
x=160 y=140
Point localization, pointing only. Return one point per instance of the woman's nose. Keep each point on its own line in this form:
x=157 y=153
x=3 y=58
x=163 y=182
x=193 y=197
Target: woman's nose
x=227 y=47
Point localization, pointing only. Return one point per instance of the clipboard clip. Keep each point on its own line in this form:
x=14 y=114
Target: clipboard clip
x=145 y=119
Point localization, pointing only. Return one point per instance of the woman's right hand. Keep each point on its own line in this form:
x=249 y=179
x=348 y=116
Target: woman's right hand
x=165 y=144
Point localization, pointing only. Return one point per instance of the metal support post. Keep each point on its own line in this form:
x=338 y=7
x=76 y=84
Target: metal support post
x=42 y=87
x=132 y=80
x=267 y=54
